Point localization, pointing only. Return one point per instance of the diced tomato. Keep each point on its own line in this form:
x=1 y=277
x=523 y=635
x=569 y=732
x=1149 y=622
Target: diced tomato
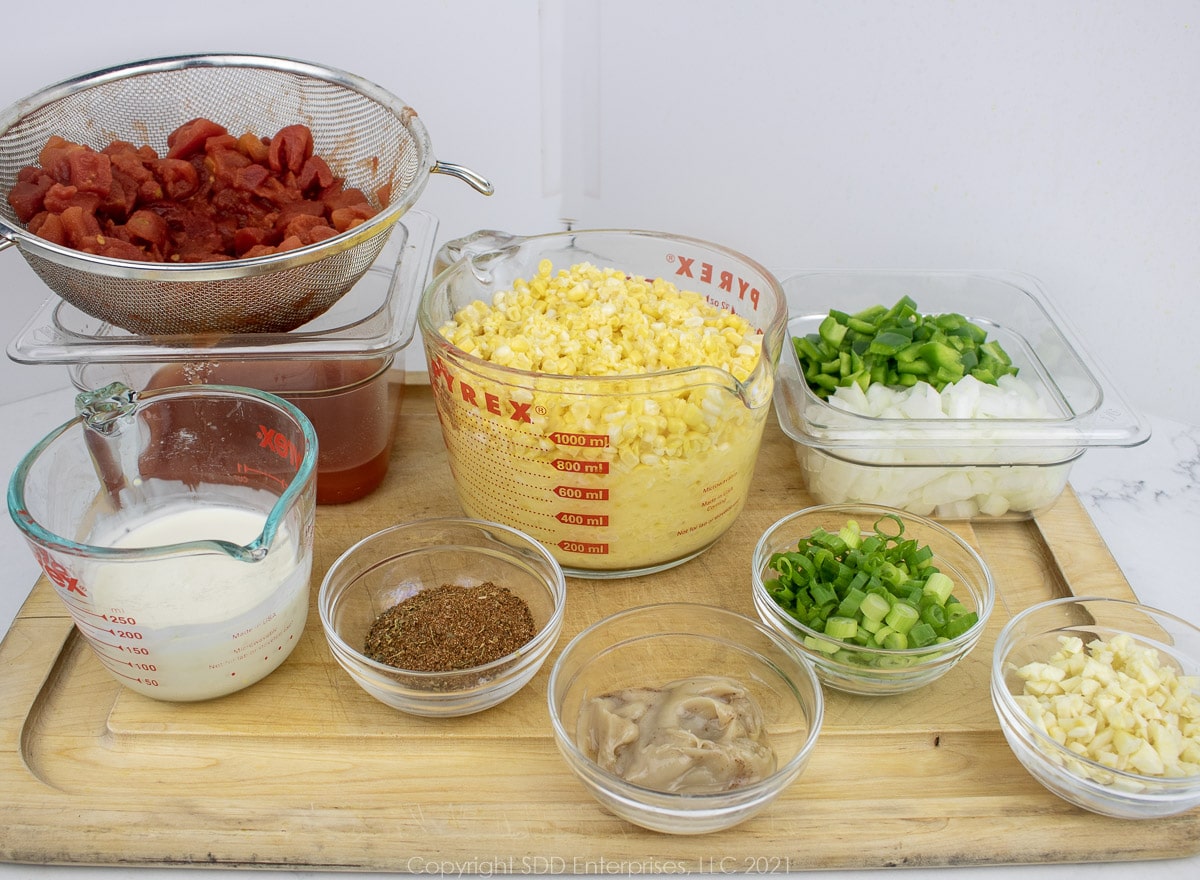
x=178 y=178
x=290 y=243
x=132 y=164
x=122 y=196
x=248 y=237
x=147 y=226
x=49 y=226
x=315 y=175
x=58 y=198
x=27 y=197
x=290 y=148
x=299 y=208
x=212 y=197
x=335 y=197
x=189 y=138
x=80 y=227
x=346 y=218
x=225 y=165
x=107 y=246
x=300 y=224
x=251 y=177
x=221 y=142
x=150 y=191
x=53 y=158
x=259 y=250
x=319 y=233
x=90 y=171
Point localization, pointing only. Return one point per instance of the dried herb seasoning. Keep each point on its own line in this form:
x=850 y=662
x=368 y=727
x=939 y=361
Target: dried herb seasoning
x=451 y=627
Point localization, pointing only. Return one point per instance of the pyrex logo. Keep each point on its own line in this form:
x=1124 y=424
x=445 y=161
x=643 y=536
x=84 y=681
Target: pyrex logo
x=277 y=442
x=443 y=380
x=57 y=573
x=687 y=267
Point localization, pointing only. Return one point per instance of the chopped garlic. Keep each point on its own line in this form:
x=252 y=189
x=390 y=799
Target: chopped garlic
x=1118 y=704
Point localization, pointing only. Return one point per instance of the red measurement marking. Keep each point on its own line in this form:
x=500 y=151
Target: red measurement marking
x=582 y=519
x=583 y=547
x=574 y=466
x=580 y=493
x=588 y=441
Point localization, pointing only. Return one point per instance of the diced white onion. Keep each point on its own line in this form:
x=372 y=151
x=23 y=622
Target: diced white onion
x=910 y=478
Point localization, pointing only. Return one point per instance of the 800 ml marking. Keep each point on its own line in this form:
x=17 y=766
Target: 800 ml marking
x=574 y=466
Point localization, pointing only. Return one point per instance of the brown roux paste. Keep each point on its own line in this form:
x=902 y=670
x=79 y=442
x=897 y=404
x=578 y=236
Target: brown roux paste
x=695 y=735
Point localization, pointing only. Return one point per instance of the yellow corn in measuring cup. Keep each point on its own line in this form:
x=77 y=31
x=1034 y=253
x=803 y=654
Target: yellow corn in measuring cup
x=617 y=417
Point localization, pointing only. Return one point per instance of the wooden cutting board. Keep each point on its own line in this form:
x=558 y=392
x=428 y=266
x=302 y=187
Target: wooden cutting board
x=305 y=771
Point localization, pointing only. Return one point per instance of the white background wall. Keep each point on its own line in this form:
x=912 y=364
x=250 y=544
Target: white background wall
x=1059 y=139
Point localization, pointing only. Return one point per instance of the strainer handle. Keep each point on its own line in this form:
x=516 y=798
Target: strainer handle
x=6 y=238
x=477 y=181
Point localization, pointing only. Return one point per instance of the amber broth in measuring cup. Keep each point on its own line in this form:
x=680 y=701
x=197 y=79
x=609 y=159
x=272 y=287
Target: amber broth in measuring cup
x=353 y=404
x=557 y=456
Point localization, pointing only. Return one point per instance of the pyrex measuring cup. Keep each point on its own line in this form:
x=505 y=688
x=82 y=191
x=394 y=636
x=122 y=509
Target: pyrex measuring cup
x=617 y=474
x=177 y=527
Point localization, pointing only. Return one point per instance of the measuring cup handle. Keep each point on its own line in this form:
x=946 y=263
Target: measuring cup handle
x=483 y=241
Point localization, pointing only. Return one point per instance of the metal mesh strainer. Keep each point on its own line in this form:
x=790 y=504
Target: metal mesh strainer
x=367 y=135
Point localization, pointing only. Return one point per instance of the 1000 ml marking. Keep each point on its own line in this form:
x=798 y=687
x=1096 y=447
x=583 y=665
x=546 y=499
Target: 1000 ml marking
x=587 y=441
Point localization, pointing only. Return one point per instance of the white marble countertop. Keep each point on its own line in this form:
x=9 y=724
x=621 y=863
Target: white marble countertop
x=1139 y=498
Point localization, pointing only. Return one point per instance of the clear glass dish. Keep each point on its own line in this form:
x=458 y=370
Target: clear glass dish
x=951 y=467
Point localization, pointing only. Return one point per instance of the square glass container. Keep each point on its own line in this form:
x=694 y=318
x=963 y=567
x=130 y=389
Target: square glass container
x=951 y=467
x=344 y=369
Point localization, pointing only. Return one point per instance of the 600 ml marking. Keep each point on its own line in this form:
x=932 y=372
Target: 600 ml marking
x=580 y=493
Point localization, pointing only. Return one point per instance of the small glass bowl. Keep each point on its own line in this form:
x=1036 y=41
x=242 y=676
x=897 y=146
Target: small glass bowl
x=865 y=670
x=1032 y=636
x=391 y=565
x=653 y=645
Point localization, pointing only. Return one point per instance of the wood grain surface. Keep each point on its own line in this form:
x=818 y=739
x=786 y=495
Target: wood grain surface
x=305 y=771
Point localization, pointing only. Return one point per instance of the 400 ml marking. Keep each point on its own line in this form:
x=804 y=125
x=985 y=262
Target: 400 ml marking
x=594 y=520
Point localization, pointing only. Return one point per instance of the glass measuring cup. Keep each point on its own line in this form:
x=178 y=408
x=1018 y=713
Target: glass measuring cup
x=177 y=527
x=616 y=475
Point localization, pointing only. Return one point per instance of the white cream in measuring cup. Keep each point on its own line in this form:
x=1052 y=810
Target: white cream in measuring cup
x=177 y=528
x=616 y=474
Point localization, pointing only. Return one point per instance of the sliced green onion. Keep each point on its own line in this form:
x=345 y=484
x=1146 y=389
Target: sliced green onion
x=898 y=346
x=877 y=590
